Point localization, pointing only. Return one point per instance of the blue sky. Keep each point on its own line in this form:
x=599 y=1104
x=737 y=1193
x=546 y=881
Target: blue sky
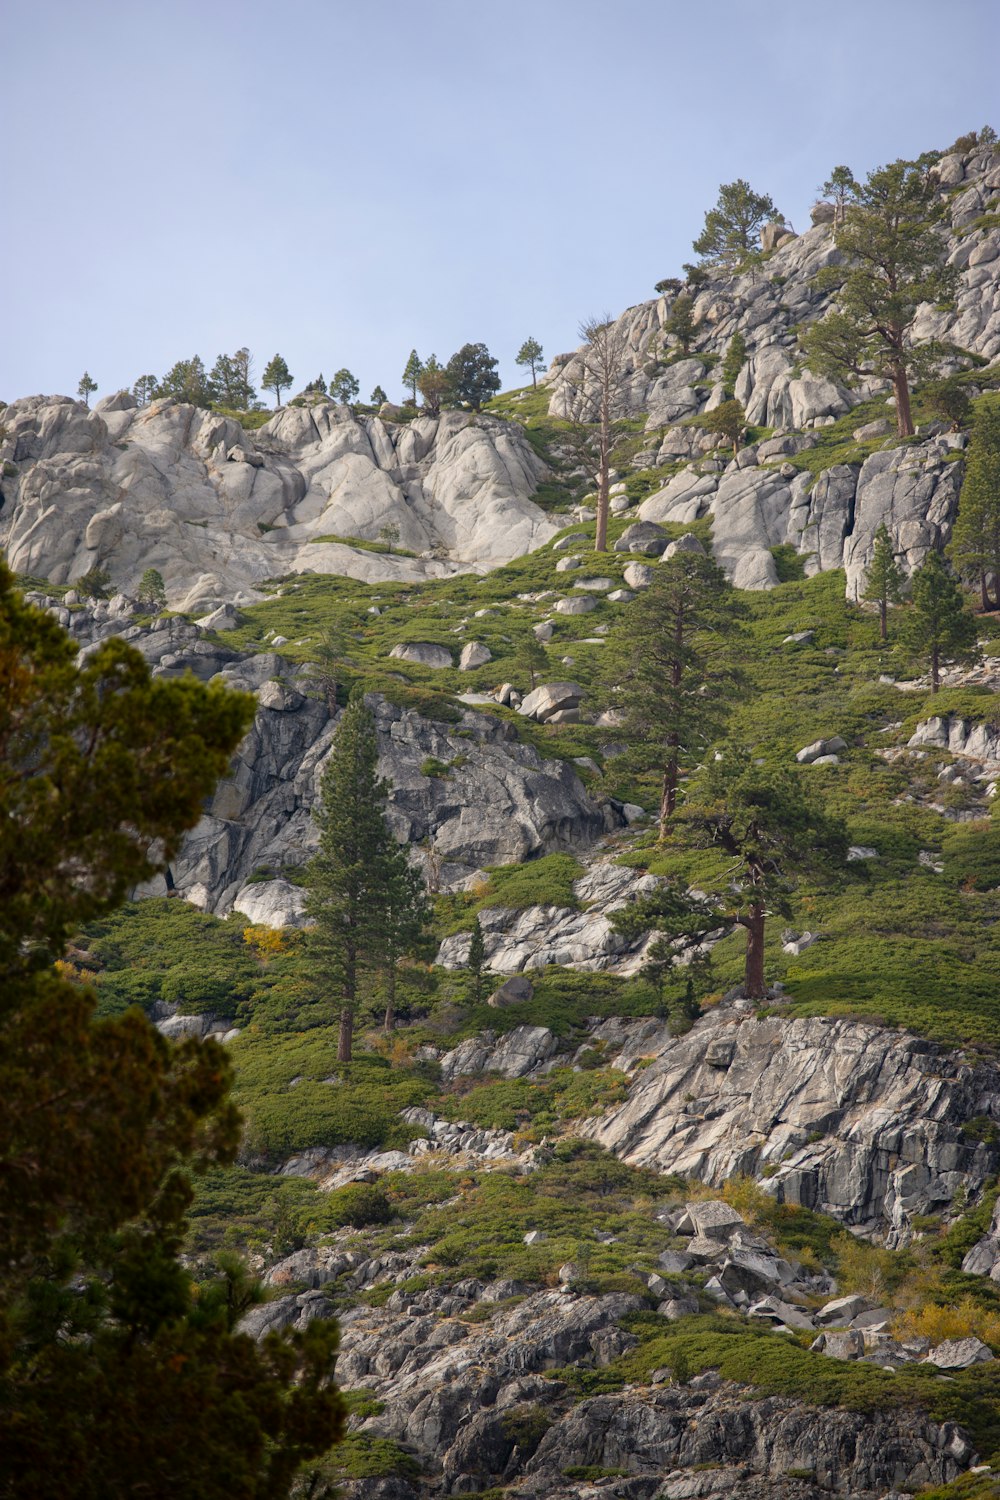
x=341 y=181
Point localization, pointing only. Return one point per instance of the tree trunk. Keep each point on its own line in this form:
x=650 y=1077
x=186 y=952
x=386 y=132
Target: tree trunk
x=883 y=617
x=935 y=668
x=753 y=982
x=668 y=795
x=346 y=1038
x=984 y=592
x=901 y=388
x=534 y=382
x=390 y=997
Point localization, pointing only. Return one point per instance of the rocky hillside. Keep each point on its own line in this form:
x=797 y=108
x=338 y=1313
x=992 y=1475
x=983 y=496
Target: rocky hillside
x=599 y=1225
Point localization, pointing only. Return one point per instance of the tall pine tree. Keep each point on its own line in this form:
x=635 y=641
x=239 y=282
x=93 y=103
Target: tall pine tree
x=358 y=893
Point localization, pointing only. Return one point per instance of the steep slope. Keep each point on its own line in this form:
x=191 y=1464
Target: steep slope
x=770 y=495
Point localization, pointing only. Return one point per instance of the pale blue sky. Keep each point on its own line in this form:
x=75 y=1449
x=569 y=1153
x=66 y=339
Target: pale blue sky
x=344 y=181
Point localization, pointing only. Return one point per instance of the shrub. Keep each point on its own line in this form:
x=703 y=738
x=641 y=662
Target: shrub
x=359 y=1205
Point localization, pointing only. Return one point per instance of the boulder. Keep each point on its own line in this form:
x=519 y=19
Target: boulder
x=621 y=596
x=848 y=1344
x=841 y=1310
x=595 y=585
x=644 y=537
x=581 y=606
x=474 y=654
x=569 y=564
x=959 y=1354
x=638 y=575
x=712 y=1219
x=514 y=991
x=424 y=652
x=686 y=543
x=820 y=749
x=574 y=539
x=550 y=698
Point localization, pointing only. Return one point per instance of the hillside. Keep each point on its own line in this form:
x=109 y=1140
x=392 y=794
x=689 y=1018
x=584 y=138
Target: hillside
x=618 y=1230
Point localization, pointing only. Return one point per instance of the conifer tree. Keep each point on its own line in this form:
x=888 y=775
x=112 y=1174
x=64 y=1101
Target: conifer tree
x=975 y=540
x=671 y=669
x=732 y=226
x=895 y=260
x=884 y=579
x=406 y=913
x=145 y=389
x=529 y=355
x=378 y=396
x=680 y=322
x=105 y=1341
x=937 y=626
x=86 y=388
x=841 y=187
x=411 y=375
x=728 y=420
x=354 y=876
x=476 y=960
x=152 y=590
x=760 y=817
x=344 y=387
x=736 y=353
x=276 y=377
x=530 y=656
x=434 y=384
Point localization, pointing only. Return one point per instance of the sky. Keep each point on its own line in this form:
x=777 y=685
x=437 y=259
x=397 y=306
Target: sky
x=340 y=181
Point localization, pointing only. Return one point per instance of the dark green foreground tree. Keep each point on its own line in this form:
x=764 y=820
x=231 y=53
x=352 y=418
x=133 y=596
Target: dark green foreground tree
x=975 y=541
x=884 y=579
x=118 y=1376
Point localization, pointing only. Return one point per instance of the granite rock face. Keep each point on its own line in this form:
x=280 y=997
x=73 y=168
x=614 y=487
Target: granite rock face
x=500 y=804
x=217 y=510
x=854 y=1120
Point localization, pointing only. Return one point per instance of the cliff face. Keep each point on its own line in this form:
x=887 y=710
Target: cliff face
x=217 y=510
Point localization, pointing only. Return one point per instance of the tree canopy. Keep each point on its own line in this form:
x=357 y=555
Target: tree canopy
x=975 y=539
x=276 y=377
x=732 y=227
x=108 y=1348
x=529 y=356
x=473 y=375
x=937 y=627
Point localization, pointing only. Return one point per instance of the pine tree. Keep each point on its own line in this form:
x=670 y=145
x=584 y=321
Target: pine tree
x=476 y=960
x=86 y=388
x=344 y=387
x=411 y=375
x=603 y=359
x=671 y=669
x=145 y=389
x=104 y=1337
x=152 y=590
x=473 y=375
x=728 y=420
x=895 y=260
x=884 y=579
x=975 y=540
x=276 y=377
x=841 y=187
x=736 y=354
x=760 y=816
x=529 y=355
x=937 y=626
x=406 y=913
x=680 y=322
x=434 y=384
x=349 y=879
x=733 y=225
x=530 y=656
x=378 y=397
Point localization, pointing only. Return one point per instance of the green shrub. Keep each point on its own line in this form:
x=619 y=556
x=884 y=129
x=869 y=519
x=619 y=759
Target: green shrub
x=358 y=1205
